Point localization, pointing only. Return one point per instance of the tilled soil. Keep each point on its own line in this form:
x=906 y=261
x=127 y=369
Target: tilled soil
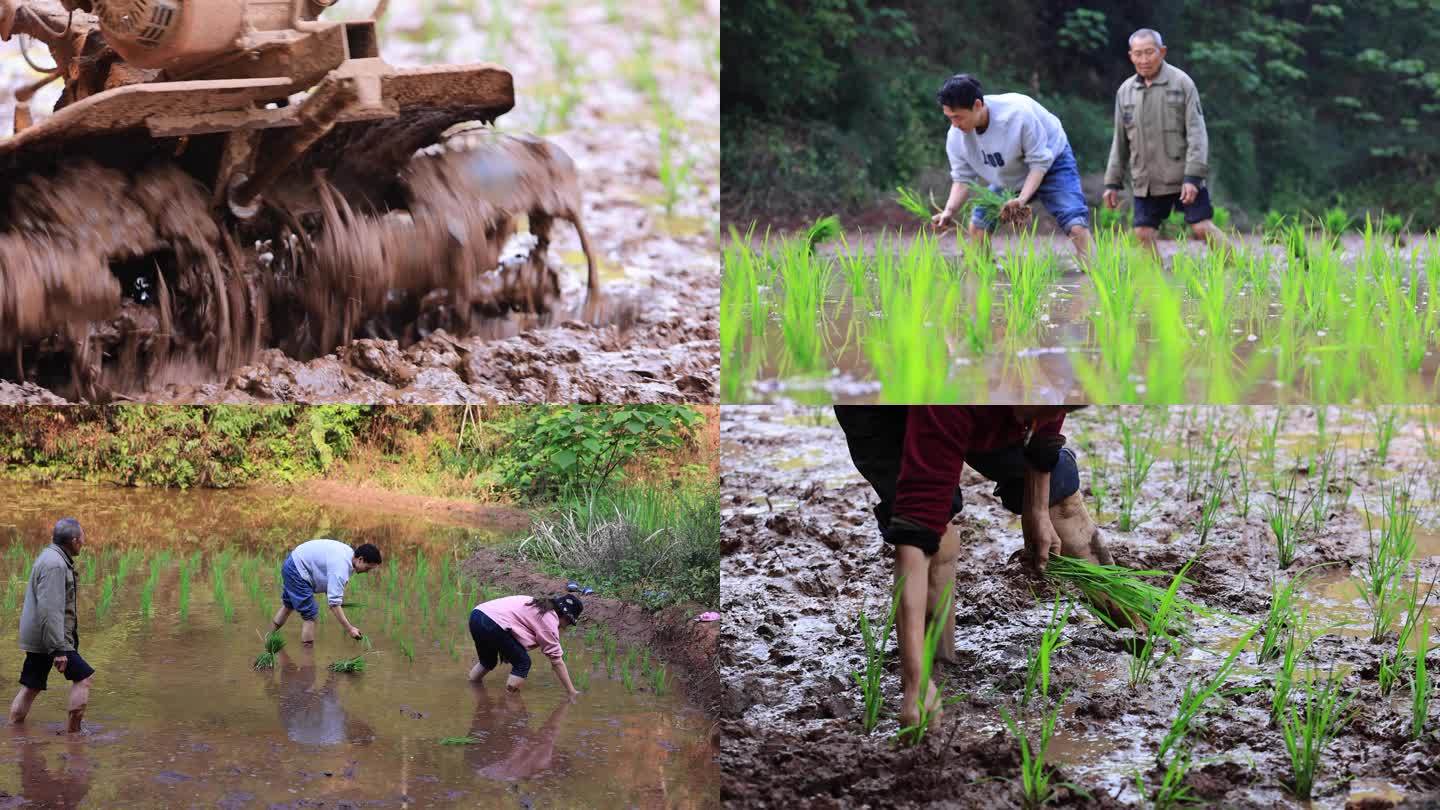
x=802 y=559
x=656 y=339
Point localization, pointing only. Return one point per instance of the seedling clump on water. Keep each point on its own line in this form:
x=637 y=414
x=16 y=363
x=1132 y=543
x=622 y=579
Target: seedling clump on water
x=274 y=643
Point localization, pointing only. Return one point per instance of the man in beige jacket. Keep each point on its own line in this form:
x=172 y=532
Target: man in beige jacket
x=49 y=627
x=1160 y=138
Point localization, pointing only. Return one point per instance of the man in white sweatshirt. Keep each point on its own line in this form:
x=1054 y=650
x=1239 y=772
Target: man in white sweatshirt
x=321 y=566
x=1011 y=143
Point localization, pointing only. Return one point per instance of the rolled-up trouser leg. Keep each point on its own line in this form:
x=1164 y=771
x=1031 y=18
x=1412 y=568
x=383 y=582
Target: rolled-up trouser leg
x=876 y=438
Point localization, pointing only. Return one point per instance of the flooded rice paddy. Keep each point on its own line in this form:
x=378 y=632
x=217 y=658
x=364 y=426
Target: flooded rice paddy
x=179 y=716
x=900 y=318
x=803 y=560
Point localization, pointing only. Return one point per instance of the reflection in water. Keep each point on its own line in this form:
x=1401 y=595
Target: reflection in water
x=508 y=749
x=311 y=714
x=65 y=785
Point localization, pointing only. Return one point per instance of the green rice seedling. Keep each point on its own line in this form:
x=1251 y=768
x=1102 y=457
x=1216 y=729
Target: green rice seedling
x=407 y=649
x=458 y=740
x=911 y=202
x=915 y=734
x=581 y=677
x=982 y=196
x=627 y=674
x=1283 y=516
x=1323 y=468
x=274 y=643
x=1195 y=698
x=1037 y=670
x=1280 y=620
x=1292 y=649
x=107 y=597
x=658 y=681
x=350 y=665
x=674 y=171
x=1157 y=643
x=1309 y=728
x=1241 y=488
x=869 y=679
x=1382 y=574
x=1420 y=687
x=222 y=595
x=1107 y=588
x=1138 y=445
x=1209 y=510
x=1172 y=790
x=1335 y=221
x=1393 y=664
x=915 y=294
x=89 y=570
x=1269 y=447
x=185 y=590
x=1036 y=788
x=1384 y=419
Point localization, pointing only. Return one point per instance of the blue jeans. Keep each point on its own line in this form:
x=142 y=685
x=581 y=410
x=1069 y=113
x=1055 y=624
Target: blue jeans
x=1059 y=192
x=296 y=592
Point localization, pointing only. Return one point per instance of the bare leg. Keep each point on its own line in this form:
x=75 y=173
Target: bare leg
x=281 y=616
x=20 y=706
x=477 y=673
x=911 y=565
x=307 y=632
x=513 y=683
x=980 y=239
x=79 y=697
x=1083 y=244
x=1213 y=236
x=1148 y=238
x=942 y=573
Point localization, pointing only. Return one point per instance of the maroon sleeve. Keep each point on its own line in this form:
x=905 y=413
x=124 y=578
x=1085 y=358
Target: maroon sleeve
x=1051 y=428
x=936 y=438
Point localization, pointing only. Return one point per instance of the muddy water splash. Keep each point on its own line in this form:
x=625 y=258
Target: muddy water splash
x=126 y=280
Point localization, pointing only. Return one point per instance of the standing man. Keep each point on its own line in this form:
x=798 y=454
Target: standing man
x=1160 y=137
x=317 y=566
x=1013 y=144
x=50 y=628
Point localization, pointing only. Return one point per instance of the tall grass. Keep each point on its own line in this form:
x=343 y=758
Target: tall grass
x=635 y=539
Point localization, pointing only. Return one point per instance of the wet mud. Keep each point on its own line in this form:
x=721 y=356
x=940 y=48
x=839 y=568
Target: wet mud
x=802 y=559
x=496 y=269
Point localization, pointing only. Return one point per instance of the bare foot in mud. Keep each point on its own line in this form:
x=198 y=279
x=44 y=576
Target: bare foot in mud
x=910 y=709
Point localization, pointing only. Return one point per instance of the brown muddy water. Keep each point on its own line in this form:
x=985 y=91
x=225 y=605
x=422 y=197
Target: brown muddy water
x=1036 y=365
x=179 y=717
x=803 y=559
x=596 y=79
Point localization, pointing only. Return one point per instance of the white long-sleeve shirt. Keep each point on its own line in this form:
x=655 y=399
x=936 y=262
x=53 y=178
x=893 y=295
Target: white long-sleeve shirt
x=1021 y=135
x=327 y=564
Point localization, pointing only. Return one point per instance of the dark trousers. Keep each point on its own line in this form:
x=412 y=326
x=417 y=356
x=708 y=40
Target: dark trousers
x=876 y=437
x=494 y=642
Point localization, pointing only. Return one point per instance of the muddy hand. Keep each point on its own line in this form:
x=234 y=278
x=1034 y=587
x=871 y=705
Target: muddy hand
x=1080 y=537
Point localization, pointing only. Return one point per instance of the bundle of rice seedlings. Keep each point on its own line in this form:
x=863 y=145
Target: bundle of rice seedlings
x=349 y=665
x=458 y=741
x=1121 y=597
x=274 y=643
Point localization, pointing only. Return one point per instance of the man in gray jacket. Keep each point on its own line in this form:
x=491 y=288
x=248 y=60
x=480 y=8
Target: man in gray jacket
x=49 y=627
x=1160 y=138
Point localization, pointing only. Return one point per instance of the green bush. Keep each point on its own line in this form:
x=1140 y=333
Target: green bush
x=580 y=448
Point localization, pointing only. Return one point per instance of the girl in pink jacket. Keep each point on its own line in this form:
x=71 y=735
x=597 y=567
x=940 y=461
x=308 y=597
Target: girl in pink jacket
x=504 y=628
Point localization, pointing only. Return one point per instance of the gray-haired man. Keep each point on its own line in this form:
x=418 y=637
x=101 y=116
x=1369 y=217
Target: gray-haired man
x=1160 y=137
x=49 y=626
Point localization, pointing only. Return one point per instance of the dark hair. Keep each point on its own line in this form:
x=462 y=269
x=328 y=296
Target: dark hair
x=369 y=553
x=960 y=91
x=66 y=530
x=541 y=603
